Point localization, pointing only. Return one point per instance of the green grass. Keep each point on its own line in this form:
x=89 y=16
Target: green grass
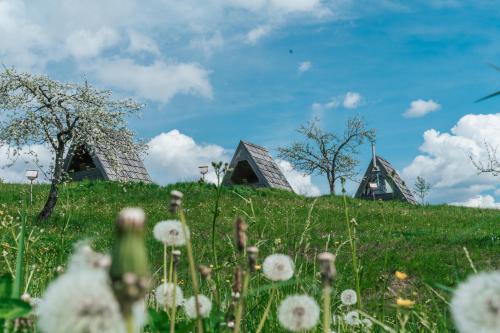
x=426 y=242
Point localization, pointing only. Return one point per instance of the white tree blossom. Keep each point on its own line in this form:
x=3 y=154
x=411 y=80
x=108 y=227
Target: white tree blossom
x=35 y=109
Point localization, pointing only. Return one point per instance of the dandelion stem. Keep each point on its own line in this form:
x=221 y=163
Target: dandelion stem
x=164 y=263
x=174 y=305
x=239 y=309
x=171 y=265
x=192 y=270
x=327 y=290
x=129 y=322
x=266 y=311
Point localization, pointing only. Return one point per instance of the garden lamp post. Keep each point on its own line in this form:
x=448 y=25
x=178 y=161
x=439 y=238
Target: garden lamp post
x=32 y=175
x=203 y=170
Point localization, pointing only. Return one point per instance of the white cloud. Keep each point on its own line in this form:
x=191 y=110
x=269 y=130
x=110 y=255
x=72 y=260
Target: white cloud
x=159 y=81
x=351 y=100
x=208 y=44
x=22 y=43
x=139 y=42
x=13 y=170
x=445 y=159
x=304 y=66
x=301 y=183
x=420 y=108
x=254 y=35
x=85 y=43
x=479 y=201
x=174 y=157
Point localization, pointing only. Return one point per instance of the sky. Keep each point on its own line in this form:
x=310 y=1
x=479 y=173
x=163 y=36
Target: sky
x=213 y=72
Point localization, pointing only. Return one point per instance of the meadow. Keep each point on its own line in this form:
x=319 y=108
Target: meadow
x=437 y=246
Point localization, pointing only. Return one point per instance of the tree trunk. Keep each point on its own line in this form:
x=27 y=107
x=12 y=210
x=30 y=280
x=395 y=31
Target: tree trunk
x=54 y=190
x=51 y=202
x=331 y=183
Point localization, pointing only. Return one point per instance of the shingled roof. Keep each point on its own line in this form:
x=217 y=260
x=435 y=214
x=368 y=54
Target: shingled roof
x=252 y=165
x=390 y=185
x=107 y=164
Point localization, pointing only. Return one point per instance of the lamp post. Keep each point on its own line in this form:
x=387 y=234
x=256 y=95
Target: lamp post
x=203 y=170
x=373 y=188
x=32 y=175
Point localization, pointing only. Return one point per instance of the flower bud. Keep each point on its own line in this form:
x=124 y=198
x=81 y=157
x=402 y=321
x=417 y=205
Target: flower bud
x=241 y=234
x=129 y=271
x=327 y=267
x=205 y=272
x=176 y=255
x=175 y=200
x=252 y=253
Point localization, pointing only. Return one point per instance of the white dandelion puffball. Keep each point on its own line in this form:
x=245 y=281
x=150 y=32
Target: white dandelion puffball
x=80 y=302
x=348 y=297
x=367 y=323
x=475 y=305
x=85 y=258
x=278 y=267
x=170 y=233
x=352 y=318
x=298 y=313
x=205 y=306
x=164 y=294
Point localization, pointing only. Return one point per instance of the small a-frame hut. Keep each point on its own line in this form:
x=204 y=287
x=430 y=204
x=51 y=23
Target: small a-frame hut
x=381 y=181
x=105 y=164
x=252 y=165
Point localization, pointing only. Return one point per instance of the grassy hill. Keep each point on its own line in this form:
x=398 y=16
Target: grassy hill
x=425 y=242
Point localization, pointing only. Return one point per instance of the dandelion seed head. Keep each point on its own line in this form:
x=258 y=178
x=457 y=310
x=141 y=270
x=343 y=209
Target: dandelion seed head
x=367 y=323
x=278 y=267
x=80 y=302
x=298 y=313
x=170 y=233
x=348 y=297
x=352 y=318
x=84 y=258
x=164 y=295
x=475 y=305
x=205 y=306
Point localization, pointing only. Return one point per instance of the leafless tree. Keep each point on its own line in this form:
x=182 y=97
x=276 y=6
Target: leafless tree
x=491 y=164
x=421 y=188
x=39 y=110
x=328 y=153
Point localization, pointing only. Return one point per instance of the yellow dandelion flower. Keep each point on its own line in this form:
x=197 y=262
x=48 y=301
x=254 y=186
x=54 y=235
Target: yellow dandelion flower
x=401 y=275
x=258 y=267
x=405 y=303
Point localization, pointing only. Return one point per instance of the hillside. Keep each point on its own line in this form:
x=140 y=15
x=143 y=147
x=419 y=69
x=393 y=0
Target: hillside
x=426 y=242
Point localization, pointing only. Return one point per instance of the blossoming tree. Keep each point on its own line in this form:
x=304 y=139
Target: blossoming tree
x=35 y=109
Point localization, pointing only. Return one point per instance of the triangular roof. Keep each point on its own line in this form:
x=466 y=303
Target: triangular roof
x=387 y=173
x=110 y=164
x=257 y=158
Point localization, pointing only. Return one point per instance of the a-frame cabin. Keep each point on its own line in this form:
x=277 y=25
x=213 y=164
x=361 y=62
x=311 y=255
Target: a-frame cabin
x=104 y=164
x=382 y=182
x=252 y=165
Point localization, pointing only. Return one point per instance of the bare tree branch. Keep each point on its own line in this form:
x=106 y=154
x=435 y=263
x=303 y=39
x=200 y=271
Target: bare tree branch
x=326 y=153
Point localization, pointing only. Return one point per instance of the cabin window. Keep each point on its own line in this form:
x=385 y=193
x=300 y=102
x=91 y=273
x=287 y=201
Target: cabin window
x=244 y=174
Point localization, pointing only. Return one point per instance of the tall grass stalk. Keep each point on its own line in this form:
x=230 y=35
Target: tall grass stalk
x=192 y=270
x=266 y=311
x=18 y=280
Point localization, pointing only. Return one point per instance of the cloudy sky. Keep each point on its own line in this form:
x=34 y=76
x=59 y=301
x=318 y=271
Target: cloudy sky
x=214 y=72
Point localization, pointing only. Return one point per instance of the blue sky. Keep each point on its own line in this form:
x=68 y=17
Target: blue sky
x=220 y=71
